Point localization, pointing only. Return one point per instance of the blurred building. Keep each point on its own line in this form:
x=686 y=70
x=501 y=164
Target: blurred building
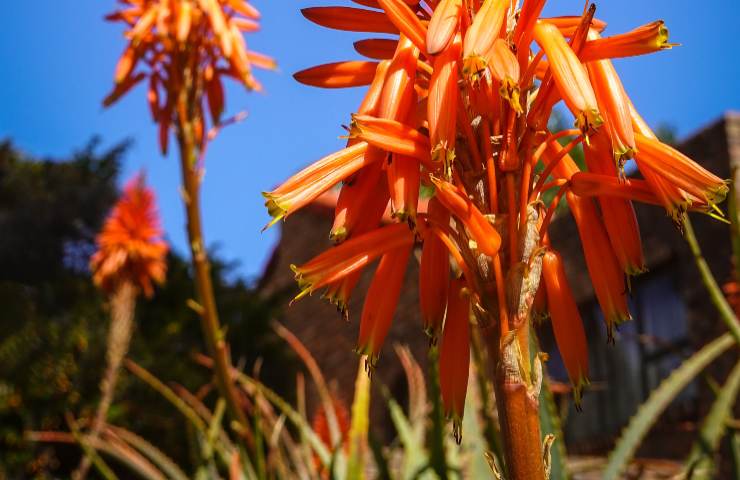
x=671 y=309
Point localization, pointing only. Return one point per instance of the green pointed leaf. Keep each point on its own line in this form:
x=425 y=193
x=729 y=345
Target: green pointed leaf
x=700 y=463
x=659 y=399
x=360 y=424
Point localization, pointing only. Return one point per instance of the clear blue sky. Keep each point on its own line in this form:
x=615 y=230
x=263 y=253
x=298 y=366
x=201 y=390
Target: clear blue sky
x=58 y=59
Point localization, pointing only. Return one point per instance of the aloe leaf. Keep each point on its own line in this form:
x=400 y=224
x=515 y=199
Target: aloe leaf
x=161 y=460
x=735 y=448
x=414 y=458
x=473 y=441
x=659 y=399
x=700 y=463
x=435 y=438
x=315 y=371
x=291 y=414
x=360 y=424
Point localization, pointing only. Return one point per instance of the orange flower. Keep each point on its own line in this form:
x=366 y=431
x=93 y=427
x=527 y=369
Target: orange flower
x=403 y=183
x=434 y=273
x=338 y=262
x=130 y=245
x=443 y=25
x=484 y=30
x=505 y=69
x=398 y=92
x=618 y=214
x=568 y=25
x=391 y=136
x=401 y=15
x=681 y=171
x=486 y=237
x=649 y=38
x=350 y=19
x=306 y=185
x=380 y=303
x=432 y=111
x=338 y=75
x=566 y=322
x=603 y=266
x=570 y=76
x=362 y=201
x=614 y=105
x=587 y=184
x=442 y=103
x=376 y=48
x=164 y=35
x=454 y=355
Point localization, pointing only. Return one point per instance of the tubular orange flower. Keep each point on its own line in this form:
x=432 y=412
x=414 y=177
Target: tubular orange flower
x=434 y=273
x=505 y=68
x=570 y=76
x=391 y=136
x=403 y=184
x=401 y=15
x=442 y=104
x=371 y=103
x=454 y=355
x=305 y=186
x=376 y=48
x=649 y=38
x=618 y=214
x=603 y=266
x=365 y=196
x=338 y=262
x=586 y=184
x=381 y=301
x=443 y=25
x=566 y=322
x=130 y=245
x=350 y=19
x=159 y=31
x=398 y=92
x=438 y=97
x=486 y=237
x=614 y=106
x=568 y=25
x=681 y=171
x=482 y=33
x=338 y=75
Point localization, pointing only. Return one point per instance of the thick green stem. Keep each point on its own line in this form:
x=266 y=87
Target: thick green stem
x=715 y=292
x=207 y=310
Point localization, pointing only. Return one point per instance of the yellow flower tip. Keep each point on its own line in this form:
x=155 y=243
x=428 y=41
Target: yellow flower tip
x=588 y=121
x=662 y=37
x=457 y=428
x=622 y=155
x=474 y=67
x=510 y=92
x=578 y=388
x=338 y=235
x=276 y=211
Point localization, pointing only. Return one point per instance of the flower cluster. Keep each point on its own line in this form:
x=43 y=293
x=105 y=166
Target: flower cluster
x=201 y=37
x=460 y=95
x=130 y=245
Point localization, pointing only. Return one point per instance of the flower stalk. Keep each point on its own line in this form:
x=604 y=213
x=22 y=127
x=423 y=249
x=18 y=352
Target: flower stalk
x=206 y=306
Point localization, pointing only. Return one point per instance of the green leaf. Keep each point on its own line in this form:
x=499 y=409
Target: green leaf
x=360 y=424
x=162 y=461
x=659 y=399
x=290 y=413
x=700 y=463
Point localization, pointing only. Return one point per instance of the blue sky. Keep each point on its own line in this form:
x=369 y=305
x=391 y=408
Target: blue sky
x=58 y=59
